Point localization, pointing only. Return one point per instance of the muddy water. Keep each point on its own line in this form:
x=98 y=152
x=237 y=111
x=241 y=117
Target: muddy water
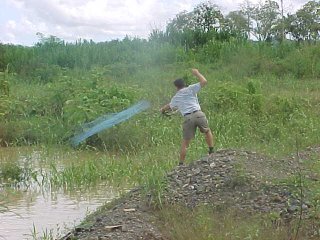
x=36 y=210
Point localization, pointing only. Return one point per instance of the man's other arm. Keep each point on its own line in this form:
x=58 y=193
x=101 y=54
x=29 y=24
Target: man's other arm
x=202 y=80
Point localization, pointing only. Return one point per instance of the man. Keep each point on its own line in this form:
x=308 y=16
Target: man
x=186 y=101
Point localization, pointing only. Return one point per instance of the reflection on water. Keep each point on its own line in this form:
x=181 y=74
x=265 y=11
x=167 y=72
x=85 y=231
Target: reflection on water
x=44 y=209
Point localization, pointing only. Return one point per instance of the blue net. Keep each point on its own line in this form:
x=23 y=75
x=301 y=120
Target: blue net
x=108 y=121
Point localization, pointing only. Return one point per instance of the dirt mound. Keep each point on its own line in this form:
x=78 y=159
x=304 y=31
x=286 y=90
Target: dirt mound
x=239 y=179
x=227 y=179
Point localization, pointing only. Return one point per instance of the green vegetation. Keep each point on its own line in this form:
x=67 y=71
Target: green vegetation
x=262 y=95
x=257 y=90
x=256 y=110
x=45 y=235
x=209 y=224
x=11 y=172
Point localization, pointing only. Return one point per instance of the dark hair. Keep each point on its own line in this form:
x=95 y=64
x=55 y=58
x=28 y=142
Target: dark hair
x=179 y=83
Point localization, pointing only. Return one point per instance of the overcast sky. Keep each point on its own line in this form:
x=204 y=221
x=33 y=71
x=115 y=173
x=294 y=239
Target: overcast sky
x=99 y=20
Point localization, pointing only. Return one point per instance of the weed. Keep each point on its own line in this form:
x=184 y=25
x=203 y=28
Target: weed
x=240 y=178
x=45 y=235
x=11 y=172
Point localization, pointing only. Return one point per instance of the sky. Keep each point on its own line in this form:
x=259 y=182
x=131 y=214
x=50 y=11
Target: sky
x=99 y=20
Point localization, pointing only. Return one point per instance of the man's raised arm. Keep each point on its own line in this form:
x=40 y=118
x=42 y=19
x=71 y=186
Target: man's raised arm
x=202 y=80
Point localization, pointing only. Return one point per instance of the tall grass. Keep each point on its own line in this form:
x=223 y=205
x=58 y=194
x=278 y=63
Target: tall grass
x=256 y=110
x=83 y=170
x=205 y=223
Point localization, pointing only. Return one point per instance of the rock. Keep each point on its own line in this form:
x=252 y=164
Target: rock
x=79 y=229
x=179 y=182
x=196 y=171
x=124 y=228
x=129 y=209
x=112 y=228
x=293 y=209
x=277 y=199
x=103 y=238
x=201 y=189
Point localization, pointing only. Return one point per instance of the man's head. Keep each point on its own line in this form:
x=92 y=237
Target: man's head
x=179 y=83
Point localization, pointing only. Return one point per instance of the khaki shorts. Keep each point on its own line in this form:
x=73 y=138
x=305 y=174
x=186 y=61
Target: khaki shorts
x=191 y=122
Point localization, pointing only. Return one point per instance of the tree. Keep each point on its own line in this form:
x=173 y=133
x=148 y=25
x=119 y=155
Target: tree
x=180 y=29
x=195 y=28
x=266 y=17
x=247 y=9
x=305 y=24
x=48 y=41
x=207 y=17
x=281 y=25
x=182 y=22
x=237 y=22
x=2 y=57
x=158 y=36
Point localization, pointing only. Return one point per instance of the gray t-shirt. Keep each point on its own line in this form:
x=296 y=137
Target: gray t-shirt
x=186 y=100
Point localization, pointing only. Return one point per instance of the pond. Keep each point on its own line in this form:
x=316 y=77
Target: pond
x=33 y=210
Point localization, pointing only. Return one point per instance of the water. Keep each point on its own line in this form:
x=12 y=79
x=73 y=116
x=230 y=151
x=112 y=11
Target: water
x=34 y=209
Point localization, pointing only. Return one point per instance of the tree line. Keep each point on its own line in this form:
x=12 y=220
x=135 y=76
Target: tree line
x=262 y=22
x=201 y=34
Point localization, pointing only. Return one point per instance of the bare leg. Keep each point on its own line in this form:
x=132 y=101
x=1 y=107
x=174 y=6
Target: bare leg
x=209 y=138
x=183 y=150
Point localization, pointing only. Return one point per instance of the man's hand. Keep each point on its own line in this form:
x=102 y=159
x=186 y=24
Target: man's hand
x=195 y=72
x=203 y=81
x=165 y=108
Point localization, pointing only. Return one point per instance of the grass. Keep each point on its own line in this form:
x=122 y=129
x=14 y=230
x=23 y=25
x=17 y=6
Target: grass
x=45 y=235
x=206 y=223
x=125 y=171
x=49 y=112
x=11 y=172
x=73 y=170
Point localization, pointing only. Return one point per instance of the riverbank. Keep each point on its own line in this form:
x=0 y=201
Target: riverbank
x=32 y=206
x=238 y=184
